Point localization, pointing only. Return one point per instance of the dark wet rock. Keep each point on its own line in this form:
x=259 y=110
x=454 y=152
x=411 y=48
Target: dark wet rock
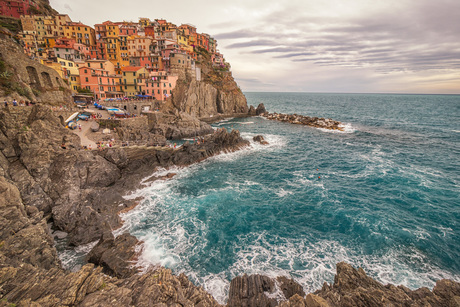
x=252 y=111
x=260 y=139
x=260 y=109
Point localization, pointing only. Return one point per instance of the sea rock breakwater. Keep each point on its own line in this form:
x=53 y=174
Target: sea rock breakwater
x=317 y=122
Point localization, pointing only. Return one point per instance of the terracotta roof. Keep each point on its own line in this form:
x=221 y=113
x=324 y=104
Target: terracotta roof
x=132 y=68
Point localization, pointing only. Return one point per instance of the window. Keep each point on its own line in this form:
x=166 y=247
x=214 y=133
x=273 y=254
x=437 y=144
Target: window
x=86 y=71
x=169 y=84
x=86 y=79
x=89 y=64
x=126 y=87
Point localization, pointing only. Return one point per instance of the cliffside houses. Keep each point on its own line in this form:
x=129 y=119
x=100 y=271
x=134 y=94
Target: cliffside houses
x=118 y=59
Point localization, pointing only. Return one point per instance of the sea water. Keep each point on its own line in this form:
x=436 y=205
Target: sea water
x=382 y=195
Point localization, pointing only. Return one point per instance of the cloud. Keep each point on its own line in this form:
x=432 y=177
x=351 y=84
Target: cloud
x=253 y=44
x=67 y=7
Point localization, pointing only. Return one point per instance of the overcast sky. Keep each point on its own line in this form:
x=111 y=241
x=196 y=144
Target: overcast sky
x=346 y=46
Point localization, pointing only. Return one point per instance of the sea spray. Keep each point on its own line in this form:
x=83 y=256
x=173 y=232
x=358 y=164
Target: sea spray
x=381 y=197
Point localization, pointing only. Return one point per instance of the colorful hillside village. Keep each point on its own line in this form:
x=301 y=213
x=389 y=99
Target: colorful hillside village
x=116 y=60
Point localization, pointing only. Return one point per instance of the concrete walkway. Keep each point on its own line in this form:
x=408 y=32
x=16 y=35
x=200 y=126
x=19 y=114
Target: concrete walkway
x=86 y=128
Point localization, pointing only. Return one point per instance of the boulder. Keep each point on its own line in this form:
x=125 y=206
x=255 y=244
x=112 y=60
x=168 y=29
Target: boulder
x=260 y=139
x=260 y=109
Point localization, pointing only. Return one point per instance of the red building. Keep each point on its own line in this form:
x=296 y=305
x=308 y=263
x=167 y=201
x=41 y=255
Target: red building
x=16 y=8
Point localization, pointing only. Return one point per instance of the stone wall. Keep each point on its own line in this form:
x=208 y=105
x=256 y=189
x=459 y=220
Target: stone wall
x=140 y=122
x=41 y=83
x=134 y=106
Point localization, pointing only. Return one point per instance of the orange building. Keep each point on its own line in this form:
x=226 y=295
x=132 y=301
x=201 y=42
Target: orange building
x=81 y=33
x=100 y=82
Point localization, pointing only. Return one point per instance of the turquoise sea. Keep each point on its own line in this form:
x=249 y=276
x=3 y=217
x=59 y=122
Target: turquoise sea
x=383 y=195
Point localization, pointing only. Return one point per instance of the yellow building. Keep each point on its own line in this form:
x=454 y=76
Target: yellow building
x=57 y=67
x=105 y=65
x=133 y=80
x=71 y=73
x=81 y=33
x=115 y=45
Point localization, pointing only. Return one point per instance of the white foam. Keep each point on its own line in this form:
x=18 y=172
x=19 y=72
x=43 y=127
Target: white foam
x=223 y=121
x=86 y=248
x=347 y=128
x=281 y=192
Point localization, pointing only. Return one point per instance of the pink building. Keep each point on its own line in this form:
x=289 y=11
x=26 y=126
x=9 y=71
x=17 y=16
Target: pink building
x=160 y=85
x=100 y=82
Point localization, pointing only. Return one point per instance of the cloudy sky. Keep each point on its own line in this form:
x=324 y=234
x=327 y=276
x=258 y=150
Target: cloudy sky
x=345 y=46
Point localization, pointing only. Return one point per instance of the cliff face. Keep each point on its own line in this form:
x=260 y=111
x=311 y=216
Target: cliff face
x=217 y=93
x=24 y=79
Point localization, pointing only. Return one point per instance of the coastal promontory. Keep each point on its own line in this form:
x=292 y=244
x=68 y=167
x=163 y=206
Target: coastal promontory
x=54 y=183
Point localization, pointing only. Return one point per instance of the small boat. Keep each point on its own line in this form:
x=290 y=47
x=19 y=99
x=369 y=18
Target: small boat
x=72 y=117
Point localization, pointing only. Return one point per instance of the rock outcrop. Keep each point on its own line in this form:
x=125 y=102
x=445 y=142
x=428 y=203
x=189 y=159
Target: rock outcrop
x=80 y=192
x=178 y=126
x=260 y=139
x=216 y=95
x=317 y=122
x=351 y=287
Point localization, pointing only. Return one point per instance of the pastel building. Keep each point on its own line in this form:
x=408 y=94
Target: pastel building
x=71 y=73
x=81 y=33
x=160 y=85
x=133 y=80
x=100 y=82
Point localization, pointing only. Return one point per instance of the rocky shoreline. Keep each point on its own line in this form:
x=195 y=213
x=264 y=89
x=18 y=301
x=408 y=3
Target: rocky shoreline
x=80 y=192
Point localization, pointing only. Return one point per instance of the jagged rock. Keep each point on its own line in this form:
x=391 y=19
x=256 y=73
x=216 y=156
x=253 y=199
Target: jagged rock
x=130 y=134
x=260 y=139
x=352 y=287
x=250 y=291
x=290 y=287
x=115 y=255
x=260 y=109
x=216 y=94
x=178 y=126
x=252 y=111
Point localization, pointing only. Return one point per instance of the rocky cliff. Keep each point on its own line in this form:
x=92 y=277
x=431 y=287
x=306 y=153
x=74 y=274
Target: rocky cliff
x=216 y=95
x=80 y=192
